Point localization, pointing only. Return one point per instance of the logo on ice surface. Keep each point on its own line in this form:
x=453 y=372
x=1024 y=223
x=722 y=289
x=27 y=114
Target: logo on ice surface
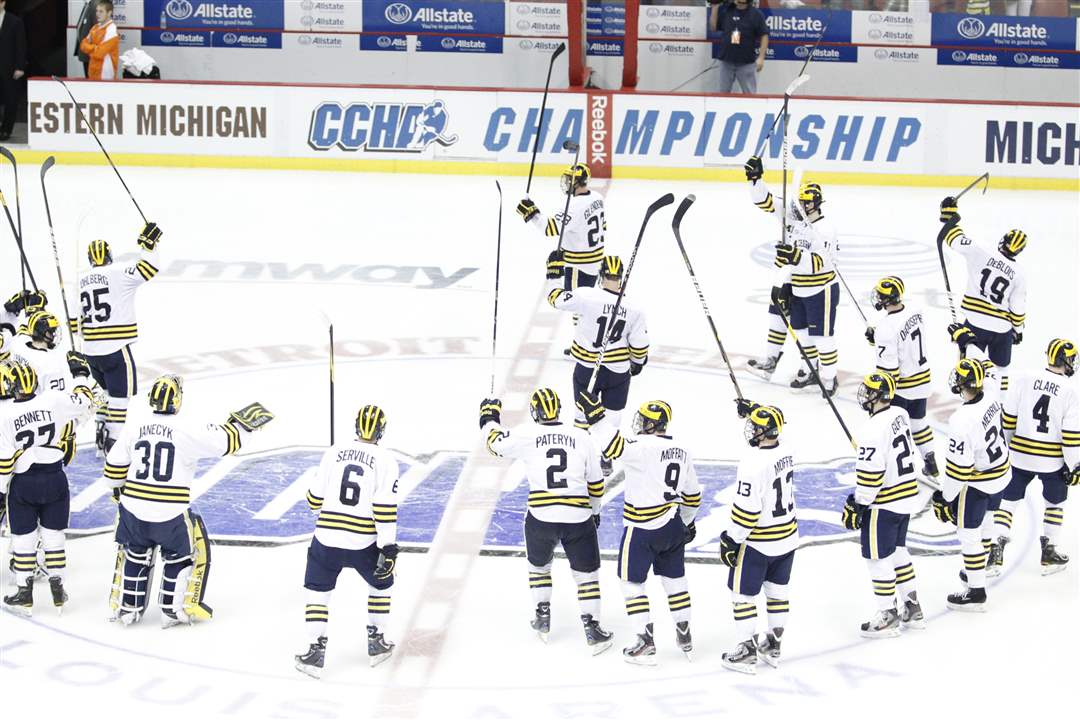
x=380 y=127
x=398 y=13
x=179 y=9
x=971 y=28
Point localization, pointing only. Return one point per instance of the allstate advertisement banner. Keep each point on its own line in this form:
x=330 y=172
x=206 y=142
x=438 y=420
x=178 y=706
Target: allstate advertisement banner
x=1009 y=58
x=536 y=19
x=199 y=14
x=808 y=25
x=212 y=38
x=323 y=15
x=676 y=22
x=413 y=16
x=887 y=28
x=822 y=53
x=605 y=27
x=1000 y=31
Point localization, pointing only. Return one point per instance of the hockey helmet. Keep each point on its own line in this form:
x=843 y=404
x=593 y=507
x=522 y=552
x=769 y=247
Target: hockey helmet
x=653 y=418
x=968 y=374
x=99 y=253
x=1012 y=243
x=810 y=197
x=166 y=394
x=876 y=387
x=19 y=379
x=42 y=327
x=764 y=421
x=1061 y=353
x=370 y=423
x=574 y=177
x=888 y=291
x=544 y=405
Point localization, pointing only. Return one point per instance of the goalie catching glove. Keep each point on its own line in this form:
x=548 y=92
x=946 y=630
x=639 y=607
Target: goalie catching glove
x=252 y=417
x=527 y=209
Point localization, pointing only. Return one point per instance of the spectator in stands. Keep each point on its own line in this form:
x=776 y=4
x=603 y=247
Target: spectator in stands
x=82 y=29
x=12 y=66
x=743 y=43
x=103 y=45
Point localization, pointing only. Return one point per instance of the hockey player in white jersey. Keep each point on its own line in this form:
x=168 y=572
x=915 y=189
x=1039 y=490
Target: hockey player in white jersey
x=583 y=239
x=32 y=478
x=995 y=297
x=355 y=493
x=898 y=333
x=566 y=486
x=806 y=286
x=107 y=293
x=976 y=469
x=886 y=496
x=761 y=538
x=661 y=498
x=627 y=337
x=1042 y=423
x=155 y=504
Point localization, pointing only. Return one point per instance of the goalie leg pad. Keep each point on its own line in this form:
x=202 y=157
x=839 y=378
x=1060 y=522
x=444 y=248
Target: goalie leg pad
x=195 y=588
x=131 y=585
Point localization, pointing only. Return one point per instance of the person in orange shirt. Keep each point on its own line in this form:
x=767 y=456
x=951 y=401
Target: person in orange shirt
x=103 y=45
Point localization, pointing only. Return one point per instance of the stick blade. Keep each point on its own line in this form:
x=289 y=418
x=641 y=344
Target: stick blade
x=571 y=146
x=49 y=162
x=796 y=83
x=684 y=206
x=8 y=154
x=661 y=202
x=558 y=51
x=499 y=188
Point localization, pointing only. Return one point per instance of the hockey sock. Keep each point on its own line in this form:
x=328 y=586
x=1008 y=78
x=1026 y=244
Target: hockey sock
x=637 y=606
x=809 y=347
x=826 y=346
x=55 y=558
x=905 y=572
x=24 y=556
x=138 y=563
x=923 y=435
x=174 y=581
x=883 y=578
x=540 y=583
x=378 y=608
x=777 y=606
x=1003 y=517
x=1053 y=517
x=745 y=609
x=316 y=614
x=115 y=417
x=588 y=592
x=777 y=335
x=678 y=597
x=971 y=546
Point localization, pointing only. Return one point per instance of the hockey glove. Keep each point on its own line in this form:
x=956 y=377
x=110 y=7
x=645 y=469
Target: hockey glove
x=1072 y=477
x=943 y=510
x=949 y=210
x=384 y=568
x=852 y=513
x=148 y=238
x=754 y=169
x=555 y=265
x=589 y=406
x=3 y=508
x=962 y=336
x=781 y=297
x=788 y=255
x=490 y=411
x=77 y=364
x=636 y=368
x=1017 y=336
x=116 y=493
x=27 y=301
x=744 y=407
x=251 y=417
x=690 y=533
x=67 y=446
x=729 y=550
x=870 y=336
x=527 y=209
x=87 y=394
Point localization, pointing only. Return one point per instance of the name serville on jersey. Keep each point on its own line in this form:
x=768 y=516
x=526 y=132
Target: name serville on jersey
x=555 y=439
x=34 y=416
x=353 y=455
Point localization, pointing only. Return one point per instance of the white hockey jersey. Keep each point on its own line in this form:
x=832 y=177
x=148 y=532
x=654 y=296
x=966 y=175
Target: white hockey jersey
x=562 y=465
x=51 y=366
x=901 y=351
x=886 y=468
x=30 y=430
x=1042 y=422
x=763 y=513
x=583 y=239
x=629 y=339
x=660 y=478
x=355 y=491
x=107 y=294
x=978 y=452
x=995 y=298
x=165 y=451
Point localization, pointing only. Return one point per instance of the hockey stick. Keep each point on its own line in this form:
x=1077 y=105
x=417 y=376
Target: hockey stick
x=540 y=122
x=852 y=296
x=675 y=227
x=799 y=80
x=495 y=318
x=568 y=145
x=49 y=162
x=985 y=176
x=106 y=152
x=330 y=324
x=18 y=212
x=18 y=243
x=680 y=86
x=945 y=274
x=660 y=203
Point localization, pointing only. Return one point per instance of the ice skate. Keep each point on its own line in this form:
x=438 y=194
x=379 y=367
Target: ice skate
x=1052 y=561
x=995 y=559
x=831 y=387
x=542 y=622
x=598 y=638
x=172 y=618
x=885 y=624
x=643 y=651
x=968 y=600
x=768 y=647
x=378 y=648
x=59 y=595
x=804 y=380
x=742 y=659
x=311 y=662
x=930 y=468
x=683 y=639
x=762 y=367
x=911 y=616
x=21 y=602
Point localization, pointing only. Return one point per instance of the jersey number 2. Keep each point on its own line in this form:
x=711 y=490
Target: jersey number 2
x=559 y=466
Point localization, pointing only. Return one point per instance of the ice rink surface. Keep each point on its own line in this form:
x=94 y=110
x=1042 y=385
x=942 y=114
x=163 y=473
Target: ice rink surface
x=256 y=262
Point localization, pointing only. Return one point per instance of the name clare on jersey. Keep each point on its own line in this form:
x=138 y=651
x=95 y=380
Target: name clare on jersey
x=1046 y=387
x=34 y=416
x=555 y=439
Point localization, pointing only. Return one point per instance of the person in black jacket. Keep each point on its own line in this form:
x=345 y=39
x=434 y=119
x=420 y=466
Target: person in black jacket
x=12 y=66
x=743 y=43
x=82 y=29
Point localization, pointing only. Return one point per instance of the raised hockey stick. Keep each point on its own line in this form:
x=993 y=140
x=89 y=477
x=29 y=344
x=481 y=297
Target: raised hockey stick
x=675 y=228
x=540 y=121
x=568 y=145
x=945 y=274
x=18 y=212
x=18 y=242
x=799 y=80
x=985 y=176
x=660 y=203
x=86 y=122
x=332 y=371
x=495 y=318
x=49 y=162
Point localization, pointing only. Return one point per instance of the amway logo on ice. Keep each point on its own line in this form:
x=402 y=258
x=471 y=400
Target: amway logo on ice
x=380 y=127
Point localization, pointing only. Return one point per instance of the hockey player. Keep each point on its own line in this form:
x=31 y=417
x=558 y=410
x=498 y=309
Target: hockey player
x=760 y=542
x=107 y=293
x=1042 y=423
x=885 y=498
x=899 y=336
x=977 y=468
x=583 y=239
x=565 y=488
x=995 y=299
x=354 y=492
x=155 y=504
x=32 y=476
x=806 y=288
x=628 y=337
x=661 y=498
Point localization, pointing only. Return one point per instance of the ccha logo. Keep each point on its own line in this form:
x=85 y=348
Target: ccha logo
x=167 y=37
x=971 y=28
x=229 y=38
x=959 y=56
x=361 y=126
x=656 y=48
x=304 y=39
x=179 y=9
x=526 y=44
x=398 y=13
x=448 y=43
x=1020 y=58
x=383 y=41
x=876 y=18
x=881 y=54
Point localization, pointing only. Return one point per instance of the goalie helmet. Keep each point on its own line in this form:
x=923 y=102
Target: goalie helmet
x=42 y=327
x=99 y=253
x=810 y=197
x=764 y=422
x=544 y=405
x=18 y=379
x=968 y=374
x=370 y=423
x=888 y=291
x=166 y=394
x=574 y=177
x=1061 y=353
x=1012 y=243
x=876 y=387
x=653 y=418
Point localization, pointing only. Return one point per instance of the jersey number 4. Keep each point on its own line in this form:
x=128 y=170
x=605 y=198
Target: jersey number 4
x=616 y=330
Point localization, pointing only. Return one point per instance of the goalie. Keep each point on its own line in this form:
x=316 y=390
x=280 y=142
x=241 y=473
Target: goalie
x=151 y=468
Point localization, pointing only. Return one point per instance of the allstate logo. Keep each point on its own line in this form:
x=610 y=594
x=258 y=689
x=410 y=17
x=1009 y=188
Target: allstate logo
x=656 y=48
x=448 y=43
x=971 y=28
x=304 y=39
x=523 y=24
x=167 y=37
x=307 y=21
x=524 y=9
x=526 y=45
x=179 y=9
x=874 y=34
x=802 y=51
x=307 y=5
x=383 y=41
x=875 y=18
x=652 y=12
x=229 y=38
x=652 y=28
x=398 y=13
x=1020 y=58
x=959 y=56
x=881 y=54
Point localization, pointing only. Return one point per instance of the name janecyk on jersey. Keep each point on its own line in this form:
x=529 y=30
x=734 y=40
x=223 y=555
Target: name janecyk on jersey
x=37 y=416
x=555 y=439
x=154 y=429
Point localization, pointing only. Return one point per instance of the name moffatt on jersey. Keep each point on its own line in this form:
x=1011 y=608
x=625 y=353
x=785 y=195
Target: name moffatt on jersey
x=354 y=491
x=660 y=479
x=995 y=297
x=30 y=430
x=901 y=352
x=562 y=465
x=629 y=336
x=165 y=451
x=107 y=294
x=583 y=239
x=885 y=469
x=978 y=452
x=816 y=268
x=1042 y=422
x=763 y=510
